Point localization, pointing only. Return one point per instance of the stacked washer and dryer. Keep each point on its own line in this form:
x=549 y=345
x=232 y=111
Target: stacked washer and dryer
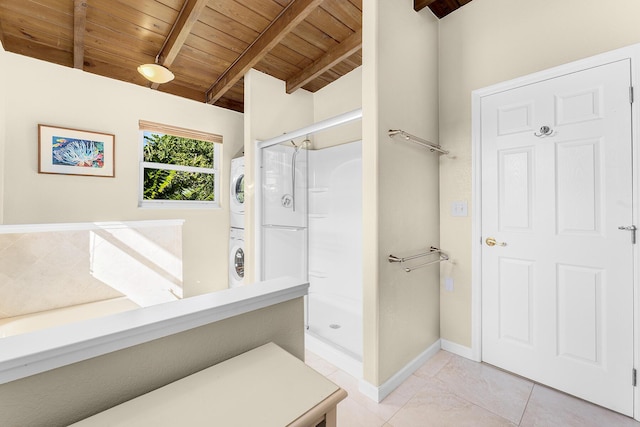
x=236 y=217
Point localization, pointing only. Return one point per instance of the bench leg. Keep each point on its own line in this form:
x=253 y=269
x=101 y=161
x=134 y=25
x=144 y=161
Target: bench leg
x=331 y=418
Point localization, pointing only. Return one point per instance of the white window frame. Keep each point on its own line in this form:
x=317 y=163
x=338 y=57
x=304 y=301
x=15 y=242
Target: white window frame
x=216 y=140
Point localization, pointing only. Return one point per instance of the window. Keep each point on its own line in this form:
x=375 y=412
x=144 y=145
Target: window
x=178 y=167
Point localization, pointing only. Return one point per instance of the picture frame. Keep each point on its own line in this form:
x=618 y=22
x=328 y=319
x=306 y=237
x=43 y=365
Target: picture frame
x=75 y=152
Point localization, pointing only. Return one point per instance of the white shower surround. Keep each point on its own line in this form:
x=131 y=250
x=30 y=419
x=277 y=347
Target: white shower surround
x=334 y=225
x=335 y=247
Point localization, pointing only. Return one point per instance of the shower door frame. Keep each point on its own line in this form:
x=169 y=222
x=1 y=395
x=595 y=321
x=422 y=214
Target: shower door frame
x=260 y=145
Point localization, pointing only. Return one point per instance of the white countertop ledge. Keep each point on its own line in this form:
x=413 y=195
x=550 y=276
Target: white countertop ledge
x=40 y=351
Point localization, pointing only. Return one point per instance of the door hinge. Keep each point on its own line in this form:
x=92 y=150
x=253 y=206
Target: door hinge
x=630 y=94
x=634 y=377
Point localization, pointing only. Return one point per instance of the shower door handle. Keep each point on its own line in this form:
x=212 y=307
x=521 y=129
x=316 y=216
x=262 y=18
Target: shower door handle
x=632 y=229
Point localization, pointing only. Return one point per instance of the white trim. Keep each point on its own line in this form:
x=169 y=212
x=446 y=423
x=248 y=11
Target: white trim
x=378 y=393
x=476 y=229
x=457 y=349
x=79 y=226
x=334 y=356
x=31 y=353
x=369 y=390
x=257 y=210
x=631 y=53
x=180 y=204
x=179 y=168
x=635 y=126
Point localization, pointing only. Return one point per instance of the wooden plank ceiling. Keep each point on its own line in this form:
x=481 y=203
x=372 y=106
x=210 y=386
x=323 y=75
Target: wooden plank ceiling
x=208 y=44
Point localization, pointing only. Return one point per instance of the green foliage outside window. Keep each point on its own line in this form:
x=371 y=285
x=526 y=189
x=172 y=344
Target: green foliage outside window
x=167 y=184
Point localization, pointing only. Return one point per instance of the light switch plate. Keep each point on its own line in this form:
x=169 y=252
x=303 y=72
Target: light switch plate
x=448 y=284
x=459 y=208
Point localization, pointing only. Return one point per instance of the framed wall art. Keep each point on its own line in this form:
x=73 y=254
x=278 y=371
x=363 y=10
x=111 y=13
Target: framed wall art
x=75 y=152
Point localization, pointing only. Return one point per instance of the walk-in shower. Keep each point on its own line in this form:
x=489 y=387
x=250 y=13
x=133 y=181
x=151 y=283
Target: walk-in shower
x=310 y=226
x=335 y=248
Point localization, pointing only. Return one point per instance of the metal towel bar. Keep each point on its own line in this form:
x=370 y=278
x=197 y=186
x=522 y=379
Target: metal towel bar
x=408 y=137
x=432 y=250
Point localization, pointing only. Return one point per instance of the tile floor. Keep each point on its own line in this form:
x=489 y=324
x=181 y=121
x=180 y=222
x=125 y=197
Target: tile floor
x=449 y=390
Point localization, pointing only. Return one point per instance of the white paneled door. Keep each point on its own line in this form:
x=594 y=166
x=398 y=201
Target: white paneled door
x=557 y=278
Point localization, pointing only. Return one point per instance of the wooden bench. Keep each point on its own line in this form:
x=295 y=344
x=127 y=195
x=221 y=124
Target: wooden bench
x=264 y=387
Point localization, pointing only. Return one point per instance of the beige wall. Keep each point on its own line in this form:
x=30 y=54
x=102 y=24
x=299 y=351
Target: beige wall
x=269 y=111
x=486 y=42
x=400 y=194
x=68 y=394
x=41 y=92
x=341 y=96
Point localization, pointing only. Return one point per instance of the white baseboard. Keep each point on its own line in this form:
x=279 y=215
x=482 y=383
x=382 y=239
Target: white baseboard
x=334 y=356
x=378 y=393
x=458 y=349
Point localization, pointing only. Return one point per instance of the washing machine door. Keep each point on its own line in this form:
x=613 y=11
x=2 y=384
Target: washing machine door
x=237 y=190
x=236 y=265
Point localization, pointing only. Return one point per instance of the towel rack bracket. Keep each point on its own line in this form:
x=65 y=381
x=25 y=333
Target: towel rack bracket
x=432 y=250
x=408 y=137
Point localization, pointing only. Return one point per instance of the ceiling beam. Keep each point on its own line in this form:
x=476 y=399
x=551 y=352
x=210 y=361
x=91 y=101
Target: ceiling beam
x=79 y=24
x=181 y=29
x=230 y=104
x=2 y=36
x=339 y=53
x=289 y=18
x=418 y=5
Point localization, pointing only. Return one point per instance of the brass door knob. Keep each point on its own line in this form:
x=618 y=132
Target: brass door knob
x=493 y=242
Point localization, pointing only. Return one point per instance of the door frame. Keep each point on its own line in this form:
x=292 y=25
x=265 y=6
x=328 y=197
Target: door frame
x=633 y=54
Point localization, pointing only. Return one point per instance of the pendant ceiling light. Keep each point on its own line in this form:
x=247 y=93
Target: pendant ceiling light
x=156 y=73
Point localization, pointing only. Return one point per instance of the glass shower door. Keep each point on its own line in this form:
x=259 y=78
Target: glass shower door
x=284 y=236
